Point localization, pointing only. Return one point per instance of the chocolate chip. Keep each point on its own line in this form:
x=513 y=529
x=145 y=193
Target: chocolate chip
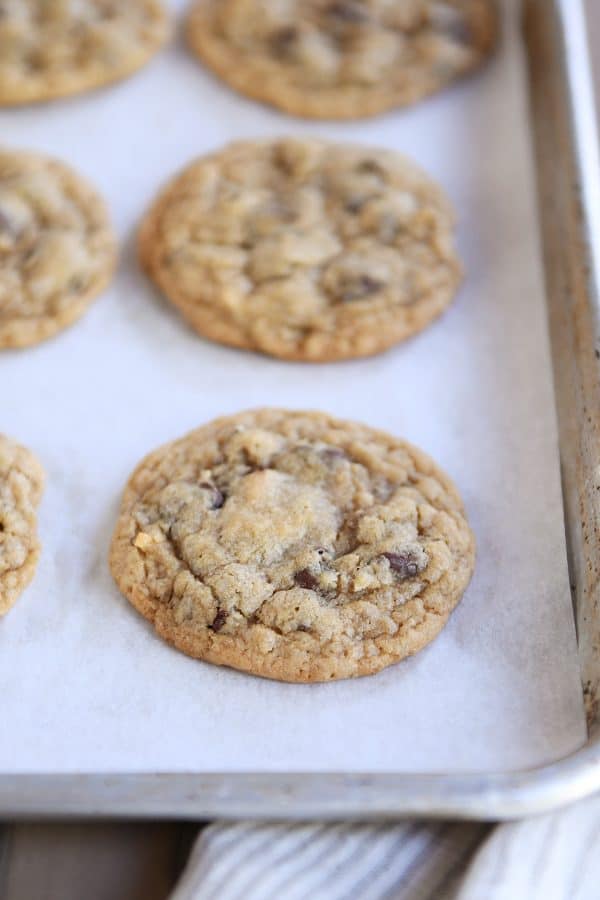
x=332 y=453
x=355 y=204
x=370 y=167
x=402 y=564
x=217 y=498
x=76 y=284
x=219 y=620
x=348 y=11
x=388 y=227
x=454 y=25
x=361 y=287
x=305 y=579
x=460 y=32
x=283 y=40
x=302 y=628
x=280 y=209
x=5 y=223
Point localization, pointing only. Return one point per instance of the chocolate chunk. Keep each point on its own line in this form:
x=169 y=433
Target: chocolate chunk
x=348 y=11
x=283 y=40
x=305 y=579
x=219 y=620
x=217 y=498
x=402 y=564
x=361 y=287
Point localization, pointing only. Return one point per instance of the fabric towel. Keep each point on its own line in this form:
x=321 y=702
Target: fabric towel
x=552 y=857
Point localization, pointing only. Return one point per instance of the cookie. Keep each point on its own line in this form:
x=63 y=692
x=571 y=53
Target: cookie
x=21 y=485
x=303 y=249
x=57 y=248
x=341 y=59
x=54 y=48
x=293 y=545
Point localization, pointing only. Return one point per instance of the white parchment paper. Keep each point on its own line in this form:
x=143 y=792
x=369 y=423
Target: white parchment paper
x=85 y=686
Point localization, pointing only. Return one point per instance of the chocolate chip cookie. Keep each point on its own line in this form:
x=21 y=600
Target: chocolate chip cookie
x=51 y=48
x=341 y=59
x=21 y=485
x=57 y=248
x=303 y=249
x=293 y=545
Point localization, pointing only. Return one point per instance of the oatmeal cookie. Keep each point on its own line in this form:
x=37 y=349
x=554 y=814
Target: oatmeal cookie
x=57 y=248
x=293 y=545
x=52 y=48
x=303 y=249
x=21 y=485
x=341 y=59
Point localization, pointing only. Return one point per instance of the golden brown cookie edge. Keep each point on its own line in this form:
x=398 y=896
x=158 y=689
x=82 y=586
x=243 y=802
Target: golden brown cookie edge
x=26 y=459
x=214 y=328
x=334 y=104
x=44 y=92
x=123 y=554
x=19 y=334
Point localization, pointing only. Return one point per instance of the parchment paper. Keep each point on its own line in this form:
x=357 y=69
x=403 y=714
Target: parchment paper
x=85 y=686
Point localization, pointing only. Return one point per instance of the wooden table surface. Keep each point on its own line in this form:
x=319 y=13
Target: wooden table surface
x=125 y=861
x=98 y=861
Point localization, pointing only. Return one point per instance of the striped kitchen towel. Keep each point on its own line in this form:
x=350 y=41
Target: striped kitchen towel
x=552 y=857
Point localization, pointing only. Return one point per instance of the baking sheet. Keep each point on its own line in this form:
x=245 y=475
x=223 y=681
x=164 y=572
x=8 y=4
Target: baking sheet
x=85 y=686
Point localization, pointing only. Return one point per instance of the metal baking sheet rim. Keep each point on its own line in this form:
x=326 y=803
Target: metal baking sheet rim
x=565 y=146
